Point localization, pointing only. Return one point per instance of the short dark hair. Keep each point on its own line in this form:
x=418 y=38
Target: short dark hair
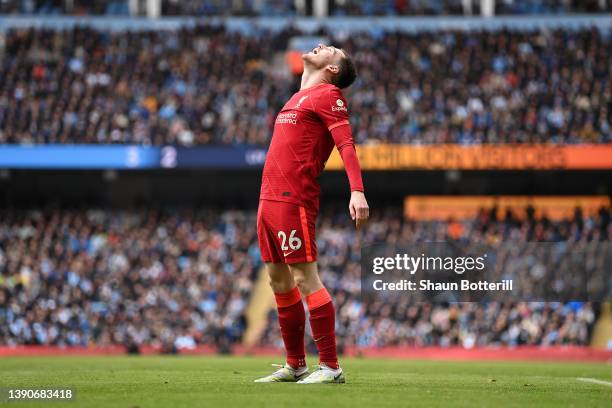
x=346 y=72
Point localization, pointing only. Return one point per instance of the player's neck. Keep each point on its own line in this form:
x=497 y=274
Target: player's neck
x=312 y=78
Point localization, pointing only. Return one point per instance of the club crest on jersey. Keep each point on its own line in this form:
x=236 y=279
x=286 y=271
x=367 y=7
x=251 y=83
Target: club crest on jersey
x=340 y=106
x=302 y=99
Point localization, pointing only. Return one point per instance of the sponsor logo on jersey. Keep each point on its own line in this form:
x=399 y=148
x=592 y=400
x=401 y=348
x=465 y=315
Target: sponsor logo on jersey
x=340 y=106
x=287 y=118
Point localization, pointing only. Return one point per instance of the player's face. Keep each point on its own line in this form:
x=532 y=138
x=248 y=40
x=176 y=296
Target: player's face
x=323 y=56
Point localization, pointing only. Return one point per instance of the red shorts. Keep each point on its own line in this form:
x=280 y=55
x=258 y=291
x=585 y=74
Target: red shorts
x=286 y=232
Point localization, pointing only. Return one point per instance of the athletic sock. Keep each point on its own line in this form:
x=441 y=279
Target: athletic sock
x=323 y=325
x=292 y=320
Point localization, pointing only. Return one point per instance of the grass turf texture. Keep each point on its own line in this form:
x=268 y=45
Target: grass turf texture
x=226 y=382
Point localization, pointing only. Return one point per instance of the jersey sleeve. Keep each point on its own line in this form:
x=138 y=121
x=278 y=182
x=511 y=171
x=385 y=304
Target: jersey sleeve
x=332 y=108
x=344 y=142
x=333 y=111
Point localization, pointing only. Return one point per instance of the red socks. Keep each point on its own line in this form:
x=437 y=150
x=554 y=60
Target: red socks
x=323 y=325
x=292 y=319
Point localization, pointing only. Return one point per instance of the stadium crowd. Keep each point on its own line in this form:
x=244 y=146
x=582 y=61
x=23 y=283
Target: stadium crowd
x=205 y=85
x=179 y=278
x=168 y=279
x=288 y=7
x=461 y=7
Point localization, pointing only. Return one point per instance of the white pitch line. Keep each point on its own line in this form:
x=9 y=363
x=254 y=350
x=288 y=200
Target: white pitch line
x=595 y=381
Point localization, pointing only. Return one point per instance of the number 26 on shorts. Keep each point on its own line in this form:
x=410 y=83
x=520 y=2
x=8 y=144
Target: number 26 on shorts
x=295 y=243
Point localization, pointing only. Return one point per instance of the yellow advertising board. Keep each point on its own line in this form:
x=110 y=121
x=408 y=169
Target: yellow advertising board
x=428 y=208
x=480 y=157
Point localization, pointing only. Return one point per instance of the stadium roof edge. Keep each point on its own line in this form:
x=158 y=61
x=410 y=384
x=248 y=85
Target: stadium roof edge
x=252 y=25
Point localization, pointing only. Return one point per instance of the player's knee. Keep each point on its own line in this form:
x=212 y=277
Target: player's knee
x=302 y=283
x=280 y=285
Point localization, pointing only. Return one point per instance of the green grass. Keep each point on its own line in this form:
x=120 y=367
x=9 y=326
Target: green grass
x=227 y=382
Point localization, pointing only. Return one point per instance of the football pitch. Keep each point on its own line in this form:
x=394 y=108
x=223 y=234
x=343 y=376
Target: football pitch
x=227 y=382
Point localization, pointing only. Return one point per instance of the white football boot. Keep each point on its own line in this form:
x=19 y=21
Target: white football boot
x=285 y=373
x=324 y=375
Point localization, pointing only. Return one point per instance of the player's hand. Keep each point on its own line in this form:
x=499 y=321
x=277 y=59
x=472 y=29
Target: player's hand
x=358 y=207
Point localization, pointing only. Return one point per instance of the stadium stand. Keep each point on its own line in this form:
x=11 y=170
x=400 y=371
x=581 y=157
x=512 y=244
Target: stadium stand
x=205 y=85
x=180 y=278
x=287 y=8
x=72 y=277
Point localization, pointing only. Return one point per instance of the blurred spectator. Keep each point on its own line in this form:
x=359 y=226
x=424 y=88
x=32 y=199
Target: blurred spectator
x=287 y=8
x=205 y=85
x=551 y=6
x=180 y=278
x=62 y=7
x=249 y=8
x=172 y=279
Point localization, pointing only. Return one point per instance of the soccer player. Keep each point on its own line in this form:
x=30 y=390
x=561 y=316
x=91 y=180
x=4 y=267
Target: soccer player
x=306 y=130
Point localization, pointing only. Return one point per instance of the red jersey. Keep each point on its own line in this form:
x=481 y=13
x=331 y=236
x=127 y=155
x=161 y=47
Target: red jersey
x=305 y=132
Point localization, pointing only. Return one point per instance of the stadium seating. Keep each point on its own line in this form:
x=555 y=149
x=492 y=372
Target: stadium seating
x=286 y=8
x=71 y=277
x=180 y=278
x=205 y=85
